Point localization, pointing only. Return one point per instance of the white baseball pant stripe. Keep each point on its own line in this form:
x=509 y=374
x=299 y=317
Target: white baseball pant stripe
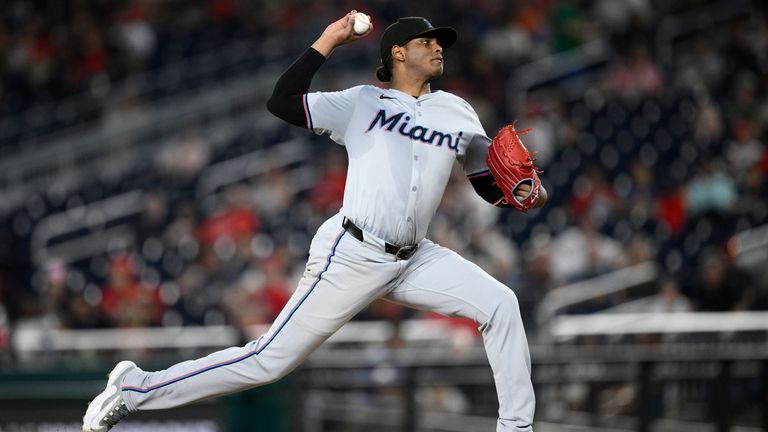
x=342 y=277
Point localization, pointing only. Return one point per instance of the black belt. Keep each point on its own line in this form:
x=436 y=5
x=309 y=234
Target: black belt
x=400 y=252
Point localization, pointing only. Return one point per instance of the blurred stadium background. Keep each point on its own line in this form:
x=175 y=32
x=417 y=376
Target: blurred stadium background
x=150 y=208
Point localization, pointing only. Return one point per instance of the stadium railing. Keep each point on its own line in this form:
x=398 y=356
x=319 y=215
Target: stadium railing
x=94 y=228
x=616 y=283
x=721 y=372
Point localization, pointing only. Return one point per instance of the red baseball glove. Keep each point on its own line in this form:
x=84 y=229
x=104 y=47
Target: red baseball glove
x=511 y=166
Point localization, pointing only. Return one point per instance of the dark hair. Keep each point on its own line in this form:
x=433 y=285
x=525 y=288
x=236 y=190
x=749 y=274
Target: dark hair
x=384 y=73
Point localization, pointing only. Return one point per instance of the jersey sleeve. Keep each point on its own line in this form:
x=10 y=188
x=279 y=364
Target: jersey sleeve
x=330 y=112
x=473 y=159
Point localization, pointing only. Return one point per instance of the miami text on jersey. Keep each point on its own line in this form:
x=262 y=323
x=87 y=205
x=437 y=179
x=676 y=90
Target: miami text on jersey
x=420 y=133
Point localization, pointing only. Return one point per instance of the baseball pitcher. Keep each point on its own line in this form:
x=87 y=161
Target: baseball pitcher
x=401 y=143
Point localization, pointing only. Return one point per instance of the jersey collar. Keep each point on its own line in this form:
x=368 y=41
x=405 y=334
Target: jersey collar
x=406 y=97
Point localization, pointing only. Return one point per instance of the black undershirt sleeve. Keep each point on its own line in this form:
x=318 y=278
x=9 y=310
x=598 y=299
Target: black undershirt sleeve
x=286 y=100
x=485 y=187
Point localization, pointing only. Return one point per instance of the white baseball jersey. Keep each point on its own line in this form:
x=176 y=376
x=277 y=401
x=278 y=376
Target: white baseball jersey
x=401 y=150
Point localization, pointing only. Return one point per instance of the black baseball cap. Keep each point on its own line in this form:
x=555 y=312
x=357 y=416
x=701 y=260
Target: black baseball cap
x=408 y=28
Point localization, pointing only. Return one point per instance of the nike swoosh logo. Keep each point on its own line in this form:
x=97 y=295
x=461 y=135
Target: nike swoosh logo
x=385 y=97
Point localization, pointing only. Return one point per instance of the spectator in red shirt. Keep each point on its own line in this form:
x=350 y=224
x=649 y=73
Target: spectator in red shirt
x=671 y=209
x=229 y=231
x=126 y=300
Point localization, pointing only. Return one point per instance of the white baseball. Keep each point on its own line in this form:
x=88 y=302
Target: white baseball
x=362 y=23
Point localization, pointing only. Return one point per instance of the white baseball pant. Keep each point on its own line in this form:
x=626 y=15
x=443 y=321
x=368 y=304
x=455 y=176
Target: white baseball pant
x=343 y=275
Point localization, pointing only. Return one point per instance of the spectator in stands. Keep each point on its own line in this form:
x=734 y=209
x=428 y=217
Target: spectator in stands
x=704 y=65
x=244 y=303
x=744 y=150
x=443 y=398
x=671 y=207
x=669 y=299
x=570 y=26
x=511 y=44
x=719 y=285
x=536 y=280
x=710 y=189
x=203 y=285
x=708 y=127
x=544 y=120
x=623 y=17
x=635 y=76
x=154 y=217
x=183 y=157
x=496 y=253
x=582 y=251
x=61 y=305
x=227 y=233
x=261 y=293
x=638 y=250
x=743 y=103
x=92 y=57
x=753 y=196
x=55 y=298
x=136 y=34
x=460 y=215
x=180 y=235
x=272 y=194
x=35 y=55
x=126 y=300
x=223 y=253
x=82 y=314
x=592 y=193
x=638 y=198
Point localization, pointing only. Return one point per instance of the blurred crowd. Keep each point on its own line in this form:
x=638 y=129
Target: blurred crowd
x=645 y=158
x=52 y=50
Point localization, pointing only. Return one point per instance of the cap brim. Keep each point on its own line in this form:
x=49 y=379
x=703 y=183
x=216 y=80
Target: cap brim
x=446 y=35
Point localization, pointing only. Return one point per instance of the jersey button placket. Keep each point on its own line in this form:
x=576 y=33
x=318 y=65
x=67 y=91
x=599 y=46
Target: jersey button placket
x=415 y=176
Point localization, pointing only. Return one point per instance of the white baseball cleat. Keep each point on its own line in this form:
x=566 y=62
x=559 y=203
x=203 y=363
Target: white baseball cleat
x=108 y=408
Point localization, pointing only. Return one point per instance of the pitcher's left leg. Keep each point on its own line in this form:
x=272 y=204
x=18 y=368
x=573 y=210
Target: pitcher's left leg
x=440 y=280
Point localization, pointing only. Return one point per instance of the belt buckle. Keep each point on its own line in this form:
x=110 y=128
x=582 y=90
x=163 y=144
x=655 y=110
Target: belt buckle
x=406 y=252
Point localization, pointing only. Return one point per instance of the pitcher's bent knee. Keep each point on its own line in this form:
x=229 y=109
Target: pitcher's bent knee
x=509 y=300
x=507 y=307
